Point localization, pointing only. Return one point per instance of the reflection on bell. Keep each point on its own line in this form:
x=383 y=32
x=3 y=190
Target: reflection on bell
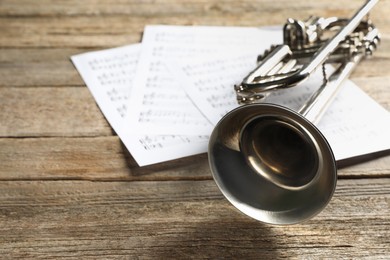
x=280 y=150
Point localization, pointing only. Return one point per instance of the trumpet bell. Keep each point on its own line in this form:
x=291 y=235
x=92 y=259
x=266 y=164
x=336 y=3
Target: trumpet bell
x=272 y=163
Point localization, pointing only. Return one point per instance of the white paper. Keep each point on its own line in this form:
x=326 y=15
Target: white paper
x=109 y=76
x=158 y=104
x=354 y=124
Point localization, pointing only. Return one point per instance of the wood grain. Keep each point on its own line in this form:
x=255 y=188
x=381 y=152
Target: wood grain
x=86 y=30
x=68 y=187
x=41 y=112
x=181 y=219
x=33 y=67
x=96 y=158
x=167 y=7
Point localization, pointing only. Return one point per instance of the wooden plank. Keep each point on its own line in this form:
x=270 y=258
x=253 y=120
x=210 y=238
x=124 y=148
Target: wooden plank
x=50 y=112
x=181 y=219
x=169 y=7
x=126 y=28
x=97 y=158
x=38 y=67
x=105 y=158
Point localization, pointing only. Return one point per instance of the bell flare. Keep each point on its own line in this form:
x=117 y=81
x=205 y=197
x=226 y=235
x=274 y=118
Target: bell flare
x=272 y=164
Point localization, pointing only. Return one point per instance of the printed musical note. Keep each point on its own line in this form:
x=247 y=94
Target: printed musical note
x=161 y=141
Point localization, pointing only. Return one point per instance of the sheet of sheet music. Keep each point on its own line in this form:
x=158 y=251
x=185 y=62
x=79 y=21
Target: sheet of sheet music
x=109 y=76
x=158 y=104
x=354 y=124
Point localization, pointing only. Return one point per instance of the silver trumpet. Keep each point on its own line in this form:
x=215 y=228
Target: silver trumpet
x=270 y=162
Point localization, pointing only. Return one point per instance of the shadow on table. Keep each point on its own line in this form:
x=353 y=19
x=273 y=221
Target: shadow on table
x=222 y=238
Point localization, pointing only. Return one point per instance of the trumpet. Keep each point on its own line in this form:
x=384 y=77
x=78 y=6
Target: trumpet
x=270 y=162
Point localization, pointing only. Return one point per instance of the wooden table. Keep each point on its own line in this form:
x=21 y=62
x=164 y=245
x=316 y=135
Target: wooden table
x=69 y=188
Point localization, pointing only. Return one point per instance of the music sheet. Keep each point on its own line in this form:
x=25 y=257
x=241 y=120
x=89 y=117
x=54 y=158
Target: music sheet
x=109 y=75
